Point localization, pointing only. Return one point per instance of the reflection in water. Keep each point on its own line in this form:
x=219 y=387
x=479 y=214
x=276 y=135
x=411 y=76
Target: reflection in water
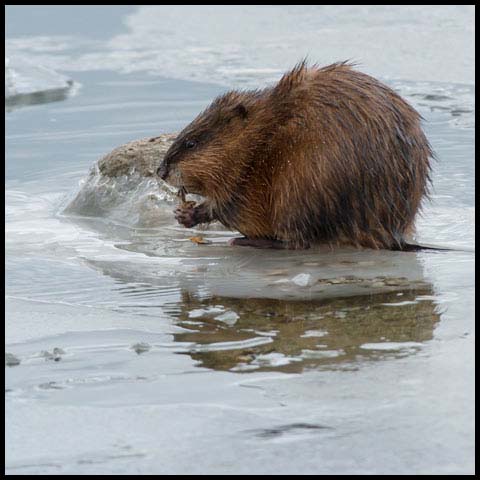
x=326 y=324
x=291 y=336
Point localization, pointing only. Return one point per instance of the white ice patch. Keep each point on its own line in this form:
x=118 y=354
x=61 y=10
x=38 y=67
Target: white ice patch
x=229 y=317
x=274 y=359
x=25 y=78
x=302 y=279
x=319 y=354
x=204 y=312
x=314 y=333
x=390 y=345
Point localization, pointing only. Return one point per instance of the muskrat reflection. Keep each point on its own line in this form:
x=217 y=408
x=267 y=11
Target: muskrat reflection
x=296 y=335
x=385 y=310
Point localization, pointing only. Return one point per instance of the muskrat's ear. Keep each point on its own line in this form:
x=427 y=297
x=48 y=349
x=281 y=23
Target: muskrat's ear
x=241 y=110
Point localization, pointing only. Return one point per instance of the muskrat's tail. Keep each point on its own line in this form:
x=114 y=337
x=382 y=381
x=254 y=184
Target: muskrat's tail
x=415 y=247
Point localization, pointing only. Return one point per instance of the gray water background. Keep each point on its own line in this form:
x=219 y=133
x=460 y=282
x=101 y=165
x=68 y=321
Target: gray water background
x=289 y=387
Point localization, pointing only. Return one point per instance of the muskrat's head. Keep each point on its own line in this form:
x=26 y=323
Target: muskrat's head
x=202 y=158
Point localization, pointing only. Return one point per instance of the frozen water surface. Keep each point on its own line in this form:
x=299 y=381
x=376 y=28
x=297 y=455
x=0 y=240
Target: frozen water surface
x=130 y=349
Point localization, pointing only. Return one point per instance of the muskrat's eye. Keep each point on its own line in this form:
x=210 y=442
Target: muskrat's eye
x=190 y=144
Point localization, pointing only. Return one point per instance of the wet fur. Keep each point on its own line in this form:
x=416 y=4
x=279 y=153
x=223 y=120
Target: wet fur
x=326 y=155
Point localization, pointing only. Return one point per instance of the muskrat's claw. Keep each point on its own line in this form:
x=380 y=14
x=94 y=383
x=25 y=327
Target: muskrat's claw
x=186 y=214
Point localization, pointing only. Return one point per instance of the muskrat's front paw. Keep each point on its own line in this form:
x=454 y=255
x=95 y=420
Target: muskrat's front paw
x=186 y=214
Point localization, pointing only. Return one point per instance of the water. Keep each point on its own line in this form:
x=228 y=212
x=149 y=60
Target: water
x=178 y=358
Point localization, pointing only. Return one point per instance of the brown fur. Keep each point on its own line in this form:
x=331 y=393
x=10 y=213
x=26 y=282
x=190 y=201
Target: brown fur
x=326 y=155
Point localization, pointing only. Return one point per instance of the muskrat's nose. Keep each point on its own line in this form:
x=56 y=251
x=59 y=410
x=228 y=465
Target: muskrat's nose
x=162 y=171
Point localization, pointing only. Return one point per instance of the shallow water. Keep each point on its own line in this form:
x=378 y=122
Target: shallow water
x=182 y=358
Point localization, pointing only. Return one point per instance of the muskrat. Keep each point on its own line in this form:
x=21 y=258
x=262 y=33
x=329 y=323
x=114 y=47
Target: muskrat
x=327 y=155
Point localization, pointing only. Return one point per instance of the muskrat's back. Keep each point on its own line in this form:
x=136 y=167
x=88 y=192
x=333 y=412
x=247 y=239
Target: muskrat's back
x=326 y=155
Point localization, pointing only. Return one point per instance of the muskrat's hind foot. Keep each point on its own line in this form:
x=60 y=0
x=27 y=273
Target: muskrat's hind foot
x=257 y=242
x=264 y=243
